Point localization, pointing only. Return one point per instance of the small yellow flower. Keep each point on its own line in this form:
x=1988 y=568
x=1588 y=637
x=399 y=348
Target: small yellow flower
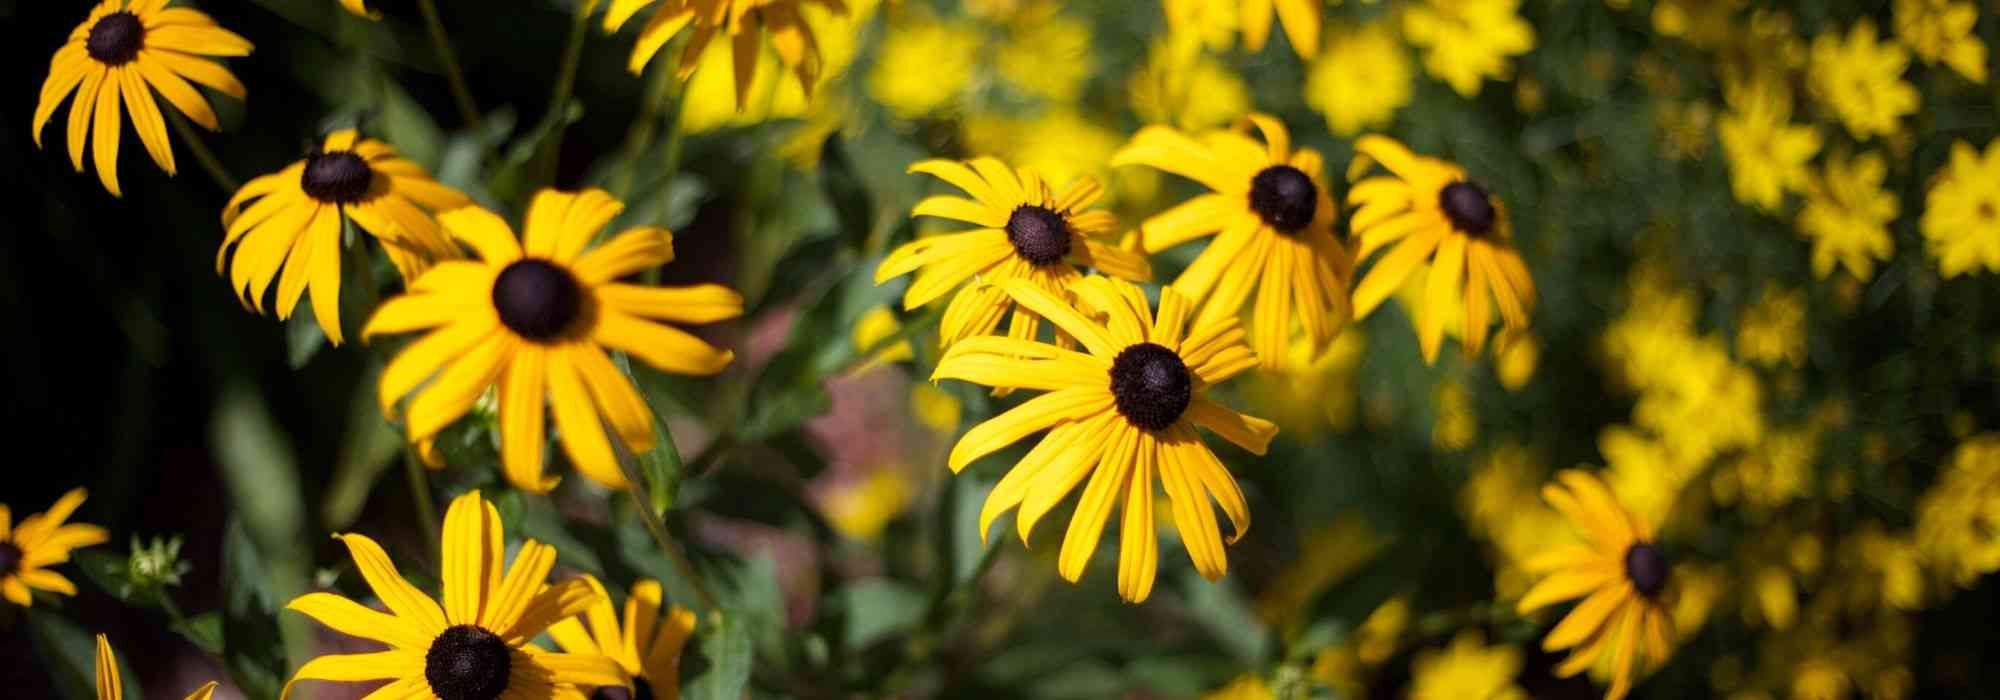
x=1050 y=59
x=130 y=49
x=648 y=644
x=1467 y=41
x=1942 y=31
x=1184 y=87
x=1703 y=23
x=1467 y=670
x=871 y=334
x=1773 y=331
x=110 y=686
x=1847 y=215
x=1248 y=686
x=1621 y=577
x=1961 y=222
x=1361 y=81
x=40 y=541
x=1862 y=80
x=861 y=509
x=1299 y=18
x=742 y=22
x=1954 y=516
x=1767 y=154
x=1515 y=358
x=924 y=66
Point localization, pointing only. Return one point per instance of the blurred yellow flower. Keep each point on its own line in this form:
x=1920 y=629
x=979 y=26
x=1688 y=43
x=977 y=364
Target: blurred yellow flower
x=1248 y=686
x=1820 y=678
x=877 y=325
x=1345 y=666
x=1684 y=128
x=1847 y=215
x=1060 y=144
x=1214 y=18
x=1941 y=31
x=934 y=408
x=1705 y=405
x=1774 y=473
x=1861 y=78
x=862 y=509
x=1361 y=80
x=1455 y=421
x=1773 y=330
x=924 y=66
x=1704 y=23
x=743 y=23
x=1050 y=59
x=1467 y=670
x=1774 y=598
x=1311 y=393
x=1621 y=578
x=1961 y=222
x=707 y=100
x=1468 y=41
x=1210 y=23
x=1955 y=517
x=1767 y=154
x=1500 y=504
x=1516 y=355
x=1181 y=86
x=40 y=541
x=1645 y=474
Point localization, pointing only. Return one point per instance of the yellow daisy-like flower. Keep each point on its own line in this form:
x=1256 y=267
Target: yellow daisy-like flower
x=1621 y=576
x=1361 y=81
x=1847 y=215
x=1941 y=31
x=534 y=317
x=1300 y=19
x=110 y=686
x=1430 y=206
x=1026 y=232
x=1862 y=80
x=290 y=221
x=1123 y=414
x=1961 y=220
x=118 y=52
x=648 y=645
x=475 y=646
x=1767 y=154
x=743 y=22
x=40 y=541
x=1467 y=670
x=1272 y=222
x=1468 y=41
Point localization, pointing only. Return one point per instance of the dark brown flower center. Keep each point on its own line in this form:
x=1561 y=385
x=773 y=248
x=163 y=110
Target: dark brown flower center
x=1040 y=236
x=1468 y=206
x=115 y=39
x=467 y=663
x=336 y=177
x=10 y=558
x=537 y=299
x=1647 y=568
x=1284 y=197
x=1151 y=385
x=640 y=690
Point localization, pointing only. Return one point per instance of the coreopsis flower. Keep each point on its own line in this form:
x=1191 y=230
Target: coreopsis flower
x=742 y=22
x=1952 y=515
x=1468 y=669
x=1942 y=31
x=1299 y=18
x=1767 y=154
x=286 y=226
x=1703 y=23
x=1049 y=58
x=40 y=541
x=1183 y=86
x=1961 y=222
x=534 y=316
x=1847 y=215
x=1270 y=220
x=110 y=684
x=1467 y=41
x=1621 y=577
x=1773 y=330
x=1861 y=78
x=476 y=645
x=924 y=66
x=648 y=644
x=1121 y=414
x=1432 y=212
x=1025 y=231
x=1361 y=80
x=122 y=53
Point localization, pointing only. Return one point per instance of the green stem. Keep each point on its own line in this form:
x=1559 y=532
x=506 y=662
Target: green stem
x=660 y=85
x=579 y=28
x=671 y=548
x=420 y=499
x=201 y=153
x=460 y=92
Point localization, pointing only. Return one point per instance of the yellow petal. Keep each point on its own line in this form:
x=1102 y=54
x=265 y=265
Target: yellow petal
x=403 y=599
x=1032 y=416
x=355 y=620
x=398 y=663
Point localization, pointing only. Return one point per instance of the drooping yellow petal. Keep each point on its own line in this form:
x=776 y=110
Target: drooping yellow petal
x=706 y=303
x=381 y=665
x=666 y=348
x=1032 y=416
x=356 y=620
x=1086 y=526
x=1139 y=544
x=582 y=432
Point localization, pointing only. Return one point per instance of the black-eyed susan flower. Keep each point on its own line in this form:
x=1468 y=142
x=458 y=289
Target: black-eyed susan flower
x=473 y=647
x=120 y=51
x=1272 y=221
x=1123 y=414
x=647 y=646
x=40 y=541
x=534 y=317
x=286 y=226
x=1621 y=575
x=111 y=686
x=742 y=22
x=1026 y=232
x=1427 y=206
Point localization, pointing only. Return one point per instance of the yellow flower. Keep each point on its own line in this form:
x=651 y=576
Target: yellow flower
x=1060 y=145
x=1361 y=80
x=647 y=647
x=924 y=66
x=1954 y=517
x=1847 y=215
x=876 y=326
x=1315 y=390
x=1467 y=670
x=1941 y=31
x=123 y=48
x=1468 y=41
x=1621 y=576
x=1182 y=86
x=1122 y=414
x=707 y=100
x=534 y=316
x=360 y=8
x=1702 y=403
x=861 y=509
x=1425 y=206
x=1515 y=358
x=1050 y=59
x=1961 y=221
x=1773 y=330
x=1767 y=154
x=1271 y=219
x=40 y=541
x=1646 y=475
x=477 y=644
x=1248 y=686
x=1455 y=423
x=1218 y=18
x=743 y=22
x=1026 y=232
x=111 y=687
x=290 y=221
x=1210 y=23
x=1704 y=23
x=935 y=408
x=1862 y=80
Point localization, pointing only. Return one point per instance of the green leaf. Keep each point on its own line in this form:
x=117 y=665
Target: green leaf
x=303 y=337
x=404 y=123
x=1222 y=610
x=368 y=447
x=877 y=608
x=109 y=572
x=204 y=630
x=725 y=641
x=250 y=614
x=848 y=195
x=531 y=163
x=261 y=473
